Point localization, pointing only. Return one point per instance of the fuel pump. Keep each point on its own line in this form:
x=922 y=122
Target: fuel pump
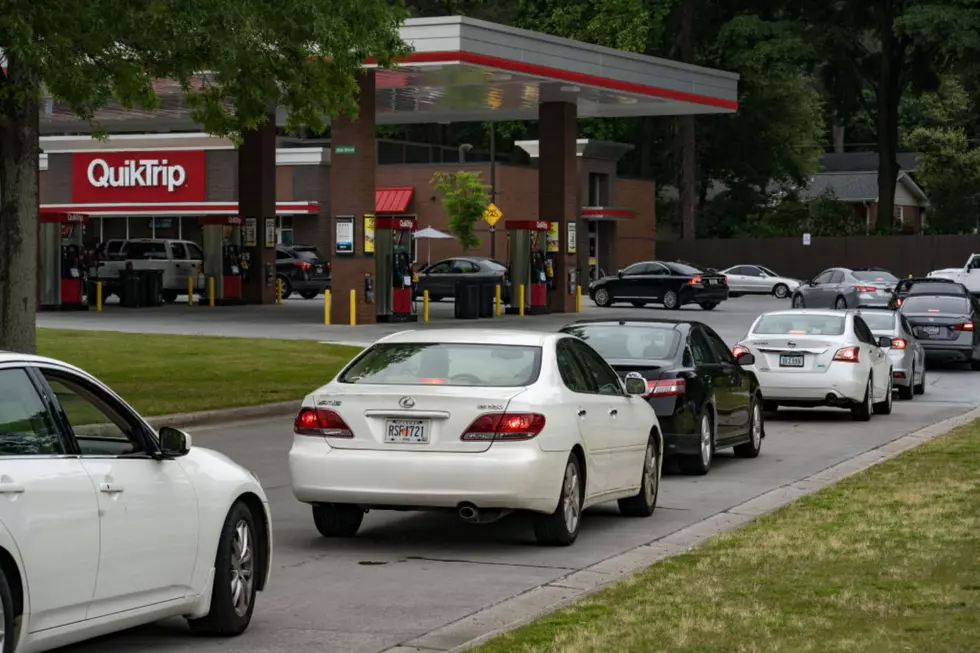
x=539 y=279
x=62 y=263
x=528 y=266
x=231 y=271
x=393 y=269
x=223 y=258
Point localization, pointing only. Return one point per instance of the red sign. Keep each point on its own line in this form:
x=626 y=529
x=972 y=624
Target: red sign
x=139 y=177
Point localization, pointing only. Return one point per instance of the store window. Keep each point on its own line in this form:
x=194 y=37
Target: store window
x=285 y=235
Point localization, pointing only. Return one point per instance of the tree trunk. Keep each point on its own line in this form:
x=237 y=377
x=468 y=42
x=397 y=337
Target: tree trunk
x=888 y=98
x=18 y=207
x=685 y=137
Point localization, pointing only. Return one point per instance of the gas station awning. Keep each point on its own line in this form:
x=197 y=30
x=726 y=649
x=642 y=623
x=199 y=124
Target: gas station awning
x=393 y=201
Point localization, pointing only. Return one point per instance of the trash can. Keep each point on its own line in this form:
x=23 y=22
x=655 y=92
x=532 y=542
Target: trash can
x=488 y=296
x=466 y=300
x=151 y=286
x=130 y=295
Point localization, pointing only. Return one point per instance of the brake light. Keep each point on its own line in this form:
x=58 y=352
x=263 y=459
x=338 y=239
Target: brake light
x=865 y=288
x=302 y=265
x=899 y=343
x=898 y=302
x=504 y=427
x=738 y=351
x=320 y=421
x=966 y=326
x=695 y=280
x=665 y=388
x=847 y=354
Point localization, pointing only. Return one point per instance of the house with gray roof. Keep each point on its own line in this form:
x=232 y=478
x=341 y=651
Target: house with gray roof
x=860 y=189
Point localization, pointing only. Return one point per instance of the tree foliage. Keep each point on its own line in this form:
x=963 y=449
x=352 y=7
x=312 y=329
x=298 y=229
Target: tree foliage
x=950 y=174
x=464 y=198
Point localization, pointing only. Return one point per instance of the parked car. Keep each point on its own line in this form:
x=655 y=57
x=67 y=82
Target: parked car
x=668 y=283
x=302 y=270
x=481 y=423
x=758 y=280
x=946 y=327
x=178 y=260
x=440 y=277
x=907 y=355
x=925 y=286
x=820 y=358
x=843 y=288
x=968 y=275
x=704 y=399
x=106 y=524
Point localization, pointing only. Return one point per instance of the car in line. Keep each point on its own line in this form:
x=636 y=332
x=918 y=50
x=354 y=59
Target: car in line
x=440 y=278
x=925 y=286
x=705 y=399
x=479 y=422
x=844 y=288
x=669 y=283
x=968 y=275
x=809 y=358
x=107 y=524
x=946 y=327
x=302 y=270
x=906 y=353
x=758 y=280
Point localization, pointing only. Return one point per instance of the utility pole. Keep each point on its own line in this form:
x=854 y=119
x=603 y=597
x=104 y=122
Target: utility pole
x=493 y=186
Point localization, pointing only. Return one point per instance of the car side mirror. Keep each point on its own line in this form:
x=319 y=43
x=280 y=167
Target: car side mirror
x=746 y=359
x=635 y=385
x=884 y=342
x=174 y=442
x=619 y=273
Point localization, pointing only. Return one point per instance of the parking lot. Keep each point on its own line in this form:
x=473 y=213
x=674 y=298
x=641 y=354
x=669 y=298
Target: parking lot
x=408 y=574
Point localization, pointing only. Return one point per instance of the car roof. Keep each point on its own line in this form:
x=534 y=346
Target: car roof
x=809 y=311
x=638 y=321
x=472 y=336
x=32 y=359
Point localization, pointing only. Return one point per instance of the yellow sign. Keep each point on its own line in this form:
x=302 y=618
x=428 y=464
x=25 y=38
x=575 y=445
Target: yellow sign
x=491 y=214
x=368 y=234
x=553 y=236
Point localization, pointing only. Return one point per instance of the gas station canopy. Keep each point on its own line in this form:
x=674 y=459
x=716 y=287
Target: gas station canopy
x=467 y=70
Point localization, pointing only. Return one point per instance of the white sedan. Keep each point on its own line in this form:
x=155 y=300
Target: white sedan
x=480 y=422
x=106 y=524
x=820 y=358
x=758 y=280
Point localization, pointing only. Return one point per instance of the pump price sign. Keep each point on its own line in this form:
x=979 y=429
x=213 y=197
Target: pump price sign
x=492 y=214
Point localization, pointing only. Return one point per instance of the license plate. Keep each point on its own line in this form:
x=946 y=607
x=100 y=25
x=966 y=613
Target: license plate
x=319 y=269
x=791 y=360
x=932 y=331
x=407 y=431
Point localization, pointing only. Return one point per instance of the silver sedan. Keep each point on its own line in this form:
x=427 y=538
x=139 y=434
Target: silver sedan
x=843 y=288
x=906 y=353
x=758 y=280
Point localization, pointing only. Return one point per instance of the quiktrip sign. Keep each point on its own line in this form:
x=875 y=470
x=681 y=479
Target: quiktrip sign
x=139 y=176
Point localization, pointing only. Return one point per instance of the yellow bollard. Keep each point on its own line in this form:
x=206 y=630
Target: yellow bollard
x=326 y=306
x=578 y=299
x=98 y=296
x=425 y=305
x=190 y=290
x=497 y=299
x=520 y=300
x=279 y=291
x=353 y=307
x=211 y=291
x=910 y=276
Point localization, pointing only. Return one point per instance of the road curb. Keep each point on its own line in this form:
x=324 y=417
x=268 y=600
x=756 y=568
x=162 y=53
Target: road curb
x=206 y=417
x=519 y=610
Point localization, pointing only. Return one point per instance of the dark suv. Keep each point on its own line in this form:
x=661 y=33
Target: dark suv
x=302 y=270
x=925 y=286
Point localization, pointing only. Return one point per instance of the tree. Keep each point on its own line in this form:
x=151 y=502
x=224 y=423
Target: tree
x=234 y=61
x=950 y=174
x=464 y=197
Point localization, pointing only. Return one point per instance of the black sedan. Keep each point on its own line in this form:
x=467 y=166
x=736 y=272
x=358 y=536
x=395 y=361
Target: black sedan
x=946 y=327
x=703 y=397
x=440 y=278
x=302 y=270
x=668 y=283
x=925 y=286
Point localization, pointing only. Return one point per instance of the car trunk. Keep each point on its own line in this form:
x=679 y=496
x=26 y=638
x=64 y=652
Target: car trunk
x=937 y=327
x=442 y=412
x=806 y=354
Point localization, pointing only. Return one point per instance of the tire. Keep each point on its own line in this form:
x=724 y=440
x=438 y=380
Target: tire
x=287 y=288
x=770 y=408
x=700 y=464
x=169 y=296
x=645 y=501
x=638 y=304
x=709 y=306
x=885 y=407
x=757 y=431
x=862 y=412
x=309 y=294
x=671 y=300
x=561 y=527
x=907 y=392
x=840 y=304
x=235 y=577
x=975 y=365
x=8 y=639
x=337 y=519
x=602 y=298
x=780 y=291
x=798 y=301
x=920 y=389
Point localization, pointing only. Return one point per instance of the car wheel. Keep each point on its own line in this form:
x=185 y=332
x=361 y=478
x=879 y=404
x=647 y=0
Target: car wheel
x=638 y=304
x=337 y=519
x=560 y=528
x=975 y=365
x=920 y=388
x=169 y=296
x=781 y=291
x=709 y=306
x=8 y=635
x=862 y=411
x=752 y=448
x=235 y=577
x=602 y=298
x=309 y=294
x=906 y=392
x=798 y=301
x=700 y=463
x=885 y=407
x=287 y=288
x=644 y=503
x=840 y=304
x=671 y=300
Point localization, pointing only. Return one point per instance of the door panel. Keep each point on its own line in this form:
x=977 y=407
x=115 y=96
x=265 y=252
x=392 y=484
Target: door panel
x=738 y=391
x=588 y=406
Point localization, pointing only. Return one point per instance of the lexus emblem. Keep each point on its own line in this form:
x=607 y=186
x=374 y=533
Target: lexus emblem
x=406 y=402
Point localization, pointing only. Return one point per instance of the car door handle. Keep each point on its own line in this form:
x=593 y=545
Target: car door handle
x=110 y=488
x=582 y=412
x=613 y=412
x=11 y=488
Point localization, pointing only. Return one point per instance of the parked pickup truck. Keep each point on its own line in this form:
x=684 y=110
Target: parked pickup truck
x=177 y=259
x=968 y=275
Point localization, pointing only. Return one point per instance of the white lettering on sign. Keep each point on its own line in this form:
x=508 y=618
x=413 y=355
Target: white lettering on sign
x=133 y=173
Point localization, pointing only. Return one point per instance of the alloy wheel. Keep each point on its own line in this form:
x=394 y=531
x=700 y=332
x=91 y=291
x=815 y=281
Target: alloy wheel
x=798 y=301
x=242 y=568
x=840 y=304
x=602 y=297
x=3 y=630
x=756 y=426
x=573 y=499
x=869 y=394
x=650 y=476
x=706 y=452
x=781 y=291
x=888 y=395
x=670 y=299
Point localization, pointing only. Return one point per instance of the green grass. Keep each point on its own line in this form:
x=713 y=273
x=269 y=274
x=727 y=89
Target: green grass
x=885 y=561
x=160 y=374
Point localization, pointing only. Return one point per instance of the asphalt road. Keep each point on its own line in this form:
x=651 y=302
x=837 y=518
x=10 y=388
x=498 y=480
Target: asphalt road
x=409 y=573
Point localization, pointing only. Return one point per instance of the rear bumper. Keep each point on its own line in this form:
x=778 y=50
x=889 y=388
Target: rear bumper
x=873 y=302
x=694 y=295
x=901 y=368
x=950 y=351
x=304 y=285
x=829 y=388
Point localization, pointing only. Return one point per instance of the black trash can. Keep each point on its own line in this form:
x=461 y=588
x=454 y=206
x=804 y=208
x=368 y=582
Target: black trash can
x=130 y=295
x=488 y=296
x=466 y=299
x=151 y=285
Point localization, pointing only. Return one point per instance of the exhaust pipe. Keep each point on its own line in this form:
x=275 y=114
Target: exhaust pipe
x=831 y=398
x=473 y=515
x=469 y=513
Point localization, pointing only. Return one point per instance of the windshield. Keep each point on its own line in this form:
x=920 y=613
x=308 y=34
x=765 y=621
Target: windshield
x=879 y=321
x=136 y=250
x=800 y=324
x=647 y=342
x=682 y=268
x=454 y=364
x=308 y=255
x=932 y=288
x=927 y=304
x=494 y=265
x=875 y=275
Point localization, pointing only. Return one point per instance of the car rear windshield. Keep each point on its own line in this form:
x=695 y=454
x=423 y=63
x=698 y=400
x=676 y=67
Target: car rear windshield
x=879 y=321
x=454 y=364
x=646 y=342
x=933 y=288
x=927 y=304
x=136 y=250
x=875 y=275
x=493 y=265
x=681 y=268
x=800 y=324
x=308 y=255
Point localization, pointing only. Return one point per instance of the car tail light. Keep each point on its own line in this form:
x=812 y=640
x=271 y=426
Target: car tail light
x=302 y=265
x=847 y=354
x=695 y=280
x=506 y=427
x=665 y=388
x=865 y=288
x=319 y=421
x=966 y=326
x=898 y=302
x=724 y=279
x=738 y=351
x=899 y=343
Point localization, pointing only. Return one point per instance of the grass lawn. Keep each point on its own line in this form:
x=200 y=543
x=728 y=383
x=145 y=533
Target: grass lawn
x=161 y=374
x=886 y=561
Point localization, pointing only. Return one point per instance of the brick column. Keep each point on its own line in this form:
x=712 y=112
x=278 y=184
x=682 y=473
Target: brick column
x=257 y=199
x=558 y=194
x=352 y=193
